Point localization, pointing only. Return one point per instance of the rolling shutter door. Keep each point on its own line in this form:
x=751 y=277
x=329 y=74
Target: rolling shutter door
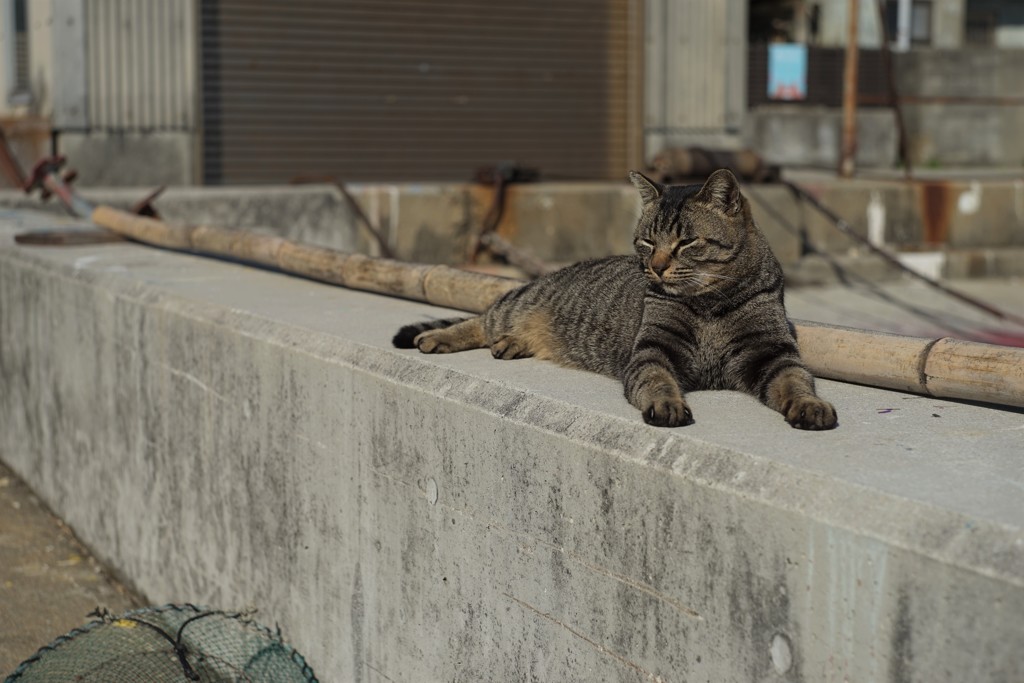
x=402 y=90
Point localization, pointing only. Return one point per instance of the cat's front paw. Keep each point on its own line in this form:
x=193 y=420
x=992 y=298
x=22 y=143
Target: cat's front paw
x=509 y=348
x=432 y=341
x=668 y=412
x=810 y=412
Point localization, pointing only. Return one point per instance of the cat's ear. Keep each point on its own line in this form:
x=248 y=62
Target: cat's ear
x=649 y=190
x=722 y=191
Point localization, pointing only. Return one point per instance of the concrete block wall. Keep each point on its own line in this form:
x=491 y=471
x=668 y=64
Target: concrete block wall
x=233 y=436
x=131 y=158
x=955 y=131
x=800 y=136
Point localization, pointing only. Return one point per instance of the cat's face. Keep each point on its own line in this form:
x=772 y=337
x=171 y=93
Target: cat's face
x=689 y=237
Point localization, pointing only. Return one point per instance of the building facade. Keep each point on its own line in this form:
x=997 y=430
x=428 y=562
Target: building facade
x=256 y=91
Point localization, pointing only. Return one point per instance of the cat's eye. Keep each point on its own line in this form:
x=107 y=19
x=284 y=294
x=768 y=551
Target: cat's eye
x=683 y=243
x=644 y=245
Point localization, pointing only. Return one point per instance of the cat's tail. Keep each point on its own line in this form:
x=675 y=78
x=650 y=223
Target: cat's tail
x=403 y=338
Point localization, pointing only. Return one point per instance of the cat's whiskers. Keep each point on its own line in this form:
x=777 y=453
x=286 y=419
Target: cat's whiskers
x=720 y=293
x=700 y=280
x=720 y=277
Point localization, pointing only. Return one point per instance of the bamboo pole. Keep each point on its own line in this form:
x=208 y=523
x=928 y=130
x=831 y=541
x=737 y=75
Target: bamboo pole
x=941 y=367
x=438 y=285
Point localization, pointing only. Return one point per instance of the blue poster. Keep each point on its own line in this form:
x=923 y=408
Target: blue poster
x=787 y=71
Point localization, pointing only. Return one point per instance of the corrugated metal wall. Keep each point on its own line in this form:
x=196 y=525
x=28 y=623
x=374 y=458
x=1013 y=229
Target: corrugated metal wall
x=418 y=89
x=141 y=64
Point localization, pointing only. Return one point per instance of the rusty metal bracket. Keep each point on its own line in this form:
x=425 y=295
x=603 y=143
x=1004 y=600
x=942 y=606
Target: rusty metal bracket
x=49 y=180
x=144 y=207
x=501 y=176
x=46 y=177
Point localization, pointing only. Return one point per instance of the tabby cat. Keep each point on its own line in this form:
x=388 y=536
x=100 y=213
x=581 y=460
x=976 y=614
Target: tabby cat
x=699 y=306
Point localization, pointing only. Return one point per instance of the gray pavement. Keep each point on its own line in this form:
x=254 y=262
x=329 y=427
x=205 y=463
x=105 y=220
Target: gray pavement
x=911 y=307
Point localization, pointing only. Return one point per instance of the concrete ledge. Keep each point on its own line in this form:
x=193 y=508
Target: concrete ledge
x=566 y=222
x=233 y=436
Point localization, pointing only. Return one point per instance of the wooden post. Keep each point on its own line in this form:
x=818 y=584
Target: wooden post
x=849 y=148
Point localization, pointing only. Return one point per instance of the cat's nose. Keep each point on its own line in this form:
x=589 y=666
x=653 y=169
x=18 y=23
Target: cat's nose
x=659 y=264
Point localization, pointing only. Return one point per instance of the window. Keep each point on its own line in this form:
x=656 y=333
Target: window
x=908 y=22
x=981 y=28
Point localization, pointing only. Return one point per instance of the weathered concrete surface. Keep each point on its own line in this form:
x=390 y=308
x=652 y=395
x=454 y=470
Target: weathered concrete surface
x=48 y=581
x=254 y=439
x=132 y=159
x=955 y=77
x=799 y=135
x=911 y=307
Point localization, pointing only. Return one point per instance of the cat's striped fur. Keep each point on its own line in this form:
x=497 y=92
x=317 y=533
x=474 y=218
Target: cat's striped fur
x=699 y=306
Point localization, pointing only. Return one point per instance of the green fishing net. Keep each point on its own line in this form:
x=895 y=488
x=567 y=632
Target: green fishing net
x=179 y=643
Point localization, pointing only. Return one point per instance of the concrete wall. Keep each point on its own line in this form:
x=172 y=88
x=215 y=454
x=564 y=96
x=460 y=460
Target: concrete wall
x=957 y=131
x=130 y=159
x=794 y=135
x=948 y=23
x=231 y=436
